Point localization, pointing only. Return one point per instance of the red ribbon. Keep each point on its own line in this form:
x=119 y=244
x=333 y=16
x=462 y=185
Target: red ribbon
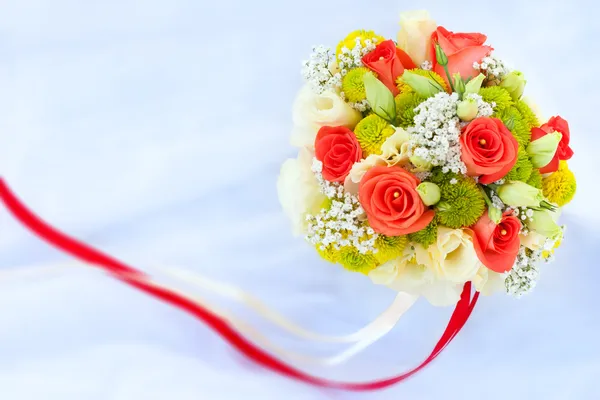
x=134 y=278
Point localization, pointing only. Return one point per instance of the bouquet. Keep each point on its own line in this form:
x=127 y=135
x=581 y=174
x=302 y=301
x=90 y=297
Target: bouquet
x=422 y=166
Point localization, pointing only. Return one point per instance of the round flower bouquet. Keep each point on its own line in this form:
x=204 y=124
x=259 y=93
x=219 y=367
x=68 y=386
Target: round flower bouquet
x=422 y=166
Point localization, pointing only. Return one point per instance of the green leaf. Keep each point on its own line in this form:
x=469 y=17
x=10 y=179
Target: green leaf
x=380 y=98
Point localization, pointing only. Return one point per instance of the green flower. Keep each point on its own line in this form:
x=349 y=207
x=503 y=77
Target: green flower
x=371 y=132
x=498 y=95
x=521 y=171
x=389 y=247
x=353 y=85
x=353 y=260
x=535 y=179
x=405 y=108
x=462 y=203
x=512 y=118
x=527 y=113
x=426 y=236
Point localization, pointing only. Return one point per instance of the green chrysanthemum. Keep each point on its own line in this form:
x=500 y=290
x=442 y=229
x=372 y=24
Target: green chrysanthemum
x=440 y=178
x=371 y=132
x=535 y=179
x=329 y=254
x=522 y=169
x=353 y=260
x=405 y=108
x=426 y=236
x=404 y=88
x=560 y=186
x=461 y=203
x=389 y=247
x=527 y=113
x=516 y=124
x=497 y=95
x=353 y=84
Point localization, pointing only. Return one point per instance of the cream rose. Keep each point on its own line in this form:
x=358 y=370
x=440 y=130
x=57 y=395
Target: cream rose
x=414 y=37
x=298 y=190
x=404 y=274
x=311 y=111
x=359 y=169
x=452 y=257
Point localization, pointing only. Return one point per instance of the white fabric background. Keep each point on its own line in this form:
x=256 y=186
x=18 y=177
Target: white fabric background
x=155 y=130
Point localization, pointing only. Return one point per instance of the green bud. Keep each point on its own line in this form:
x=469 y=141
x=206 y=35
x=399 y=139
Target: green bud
x=542 y=150
x=379 y=97
x=520 y=194
x=440 y=56
x=467 y=110
x=495 y=214
x=430 y=193
x=514 y=83
x=474 y=84
x=420 y=163
x=424 y=86
x=543 y=223
x=459 y=84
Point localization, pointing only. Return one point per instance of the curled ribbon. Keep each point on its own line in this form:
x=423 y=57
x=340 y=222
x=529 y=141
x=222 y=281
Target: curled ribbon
x=222 y=326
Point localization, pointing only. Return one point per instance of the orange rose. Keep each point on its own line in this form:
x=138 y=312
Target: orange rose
x=497 y=246
x=338 y=149
x=462 y=49
x=388 y=62
x=488 y=149
x=390 y=199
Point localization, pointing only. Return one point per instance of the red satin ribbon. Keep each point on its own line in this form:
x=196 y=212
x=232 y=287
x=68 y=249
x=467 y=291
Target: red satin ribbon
x=135 y=278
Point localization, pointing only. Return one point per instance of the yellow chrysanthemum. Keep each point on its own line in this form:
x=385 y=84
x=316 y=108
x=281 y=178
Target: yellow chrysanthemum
x=560 y=186
x=328 y=254
x=371 y=132
x=404 y=88
x=350 y=41
x=389 y=247
x=353 y=84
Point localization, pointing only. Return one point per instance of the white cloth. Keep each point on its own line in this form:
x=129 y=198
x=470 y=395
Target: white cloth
x=155 y=131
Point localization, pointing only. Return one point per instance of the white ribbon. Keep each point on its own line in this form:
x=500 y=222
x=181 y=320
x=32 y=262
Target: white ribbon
x=359 y=340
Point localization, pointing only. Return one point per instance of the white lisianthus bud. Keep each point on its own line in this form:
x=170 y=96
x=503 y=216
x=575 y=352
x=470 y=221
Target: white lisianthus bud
x=542 y=150
x=520 y=194
x=495 y=214
x=474 y=84
x=422 y=85
x=429 y=193
x=467 y=110
x=514 y=83
x=543 y=223
x=379 y=97
x=421 y=165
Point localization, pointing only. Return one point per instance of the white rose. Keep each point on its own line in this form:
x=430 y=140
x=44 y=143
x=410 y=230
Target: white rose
x=358 y=170
x=488 y=282
x=311 y=111
x=414 y=37
x=298 y=190
x=453 y=256
x=405 y=275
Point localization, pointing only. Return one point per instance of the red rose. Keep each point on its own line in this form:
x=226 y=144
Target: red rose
x=563 y=152
x=488 y=149
x=388 y=62
x=462 y=49
x=337 y=148
x=497 y=246
x=390 y=199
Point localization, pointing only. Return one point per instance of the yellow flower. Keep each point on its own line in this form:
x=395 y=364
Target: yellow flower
x=350 y=41
x=560 y=186
x=372 y=132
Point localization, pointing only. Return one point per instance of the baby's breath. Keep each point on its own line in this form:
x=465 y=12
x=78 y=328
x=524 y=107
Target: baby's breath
x=492 y=67
x=342 y=224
